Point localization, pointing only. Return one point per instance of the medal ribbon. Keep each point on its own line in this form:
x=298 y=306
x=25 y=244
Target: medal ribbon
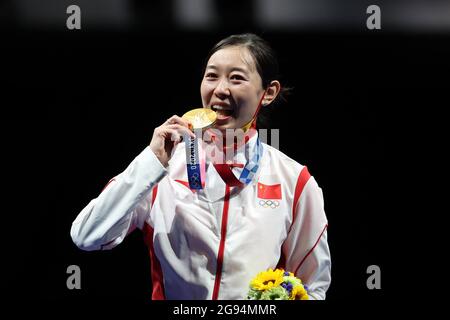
x=252 y=165
x=249 y=169
x=193 y=163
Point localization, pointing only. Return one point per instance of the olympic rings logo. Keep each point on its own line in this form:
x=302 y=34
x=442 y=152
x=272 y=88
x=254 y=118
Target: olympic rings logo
x=194 y=179
x=269 y=203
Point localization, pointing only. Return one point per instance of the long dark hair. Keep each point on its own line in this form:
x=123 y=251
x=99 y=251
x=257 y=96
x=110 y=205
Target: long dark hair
x=266 y=64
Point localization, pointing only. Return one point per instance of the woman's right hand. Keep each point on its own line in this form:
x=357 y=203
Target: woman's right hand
x=167 y=136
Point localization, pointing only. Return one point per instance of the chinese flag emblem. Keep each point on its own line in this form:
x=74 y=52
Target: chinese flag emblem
x=269 y=191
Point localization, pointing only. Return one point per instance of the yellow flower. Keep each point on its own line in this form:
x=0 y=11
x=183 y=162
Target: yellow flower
x=299 y=293
x=267 y=279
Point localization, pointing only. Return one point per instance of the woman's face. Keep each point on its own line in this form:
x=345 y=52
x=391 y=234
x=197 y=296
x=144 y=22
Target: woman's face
x=232 y=87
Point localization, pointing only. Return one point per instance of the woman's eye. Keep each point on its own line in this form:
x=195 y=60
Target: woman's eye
x=237 y=77
x=211 y=75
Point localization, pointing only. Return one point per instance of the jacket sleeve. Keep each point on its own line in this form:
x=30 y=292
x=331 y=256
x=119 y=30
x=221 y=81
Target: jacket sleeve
x=306 y=249
x=123 y=205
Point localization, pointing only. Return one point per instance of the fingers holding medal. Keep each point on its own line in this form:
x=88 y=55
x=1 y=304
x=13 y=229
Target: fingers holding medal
x=178 y=120
x=172 y=131
x=166 y=136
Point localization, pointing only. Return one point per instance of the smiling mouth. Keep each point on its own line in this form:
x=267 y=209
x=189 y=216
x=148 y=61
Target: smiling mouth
x=222 y=112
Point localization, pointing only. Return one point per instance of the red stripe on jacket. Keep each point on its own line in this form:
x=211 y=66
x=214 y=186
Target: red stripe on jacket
x=223 y=234
x=156 y=272
x=302 y=179
x=312 y=249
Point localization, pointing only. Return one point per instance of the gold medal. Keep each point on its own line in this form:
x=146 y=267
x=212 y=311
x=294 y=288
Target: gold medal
x=201 y=118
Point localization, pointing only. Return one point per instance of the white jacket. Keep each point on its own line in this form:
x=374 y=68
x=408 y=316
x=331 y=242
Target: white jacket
x=209 y=244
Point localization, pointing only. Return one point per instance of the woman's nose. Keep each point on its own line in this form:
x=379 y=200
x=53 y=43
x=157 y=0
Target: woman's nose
x=222 y=89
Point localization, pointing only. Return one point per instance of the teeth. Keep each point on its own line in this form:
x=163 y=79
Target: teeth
x=215 y=107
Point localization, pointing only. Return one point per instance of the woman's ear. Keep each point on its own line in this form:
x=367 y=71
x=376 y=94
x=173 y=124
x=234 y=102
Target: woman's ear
x=271 y=92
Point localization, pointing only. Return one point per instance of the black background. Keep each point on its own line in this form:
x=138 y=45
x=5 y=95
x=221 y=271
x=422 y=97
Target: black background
x=85 y=103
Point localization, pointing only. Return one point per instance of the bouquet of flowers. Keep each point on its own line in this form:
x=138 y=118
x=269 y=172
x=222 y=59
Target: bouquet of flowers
x=277 y=285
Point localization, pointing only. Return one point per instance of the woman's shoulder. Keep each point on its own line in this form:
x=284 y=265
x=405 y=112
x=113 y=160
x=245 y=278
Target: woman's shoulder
x=276 y=158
